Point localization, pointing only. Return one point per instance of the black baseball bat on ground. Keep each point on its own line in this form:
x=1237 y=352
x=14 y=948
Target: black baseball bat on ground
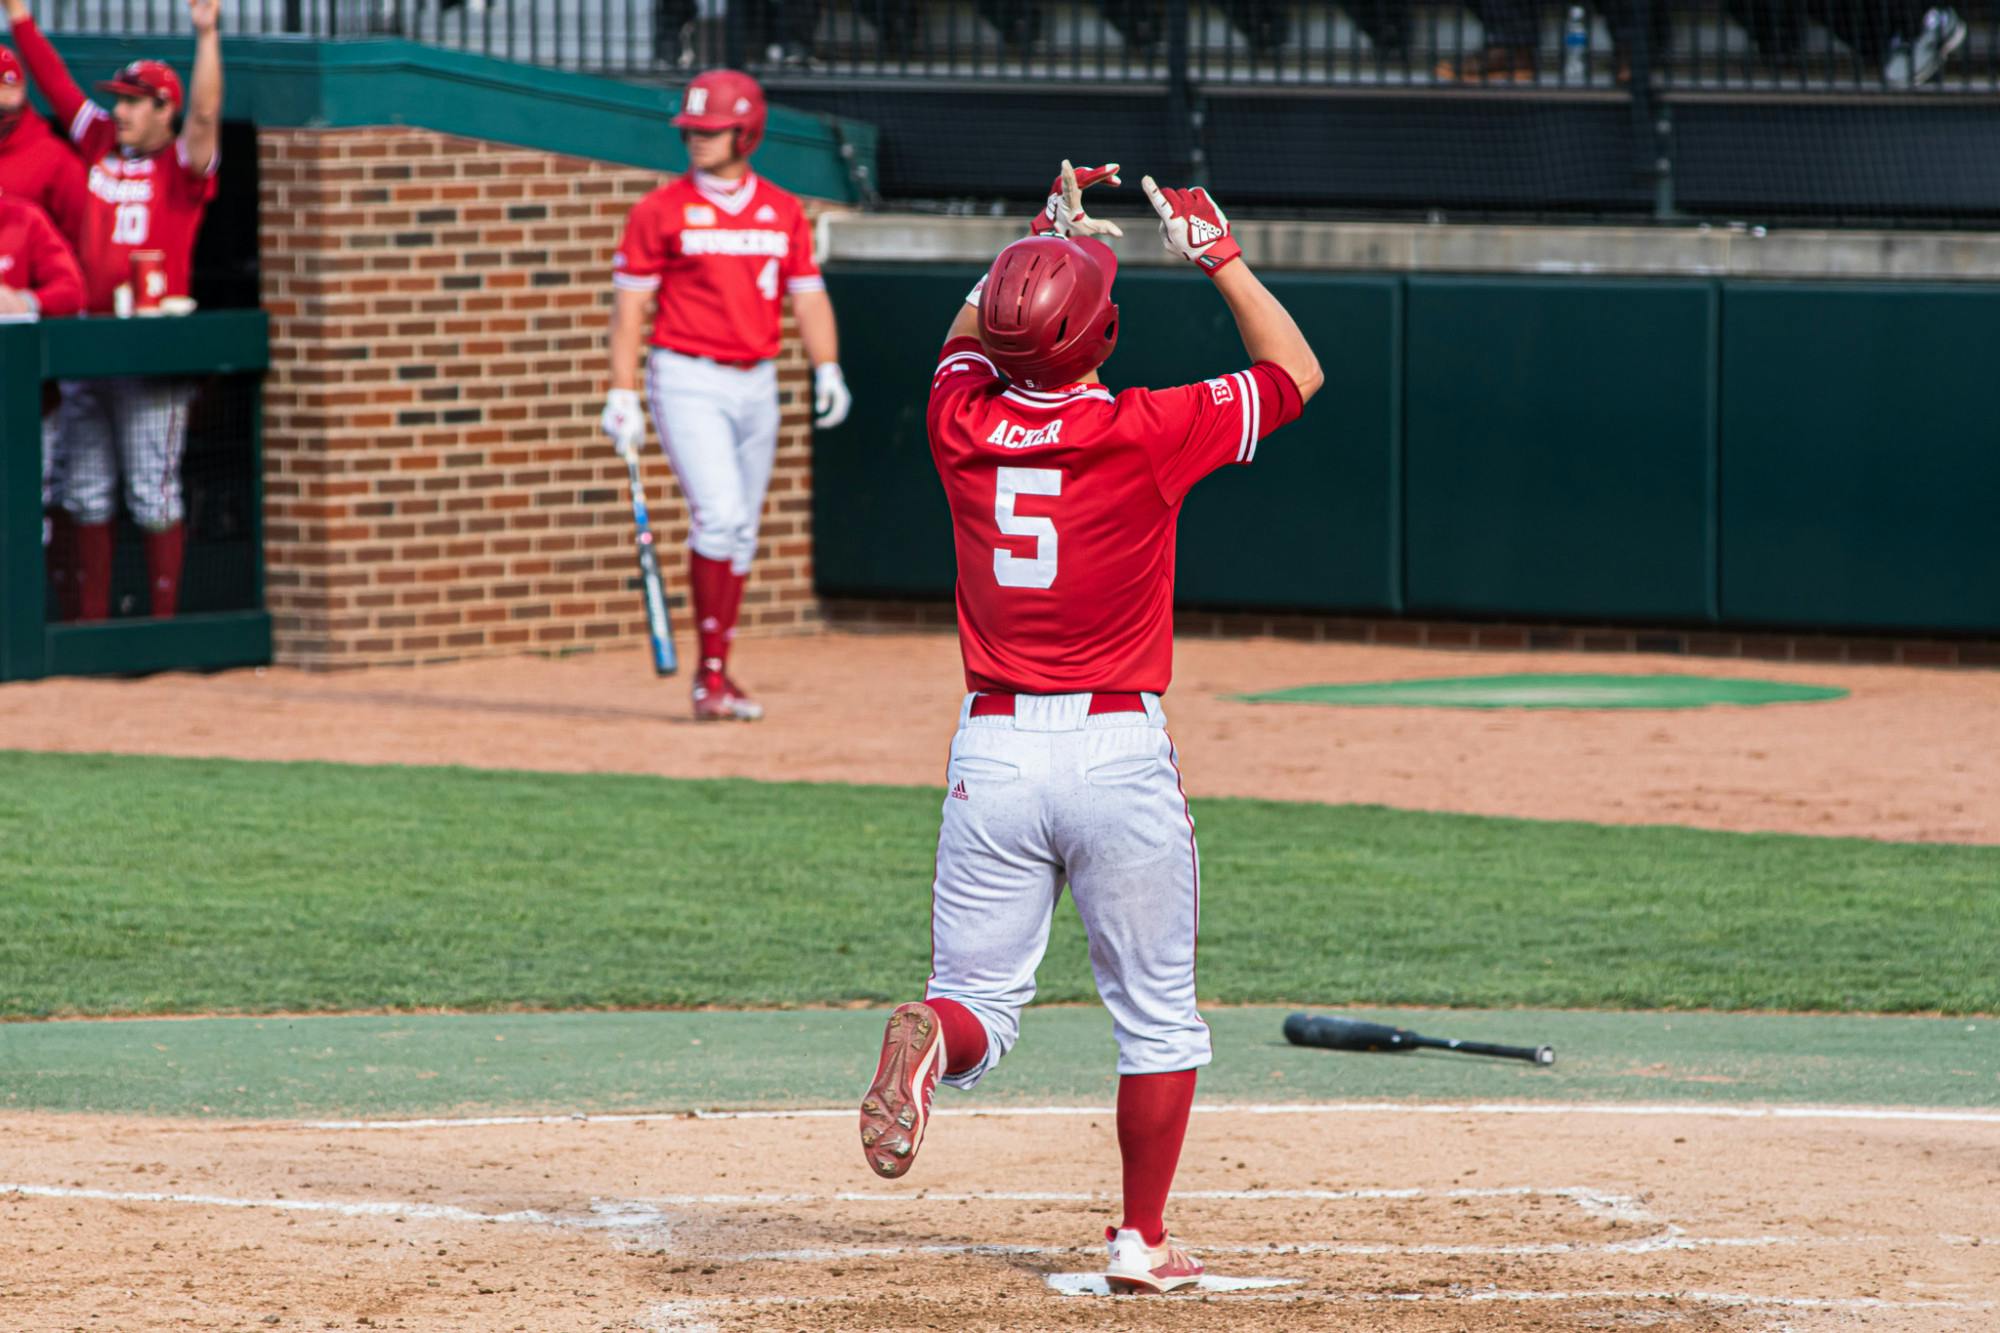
x=1352 y=1034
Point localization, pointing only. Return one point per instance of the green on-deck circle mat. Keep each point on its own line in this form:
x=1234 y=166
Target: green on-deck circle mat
x=1553 y=691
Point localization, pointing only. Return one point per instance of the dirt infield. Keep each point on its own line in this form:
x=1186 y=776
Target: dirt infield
x=1907 y=756
x=1375 y=1220
x=1400 y=1219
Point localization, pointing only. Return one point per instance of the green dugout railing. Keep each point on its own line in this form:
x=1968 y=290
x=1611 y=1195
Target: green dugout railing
x=32 y=643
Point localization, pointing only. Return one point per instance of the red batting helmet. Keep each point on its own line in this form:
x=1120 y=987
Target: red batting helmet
x=722 y=99
x=1046 y=316
x=10 y=67
x=145 y=78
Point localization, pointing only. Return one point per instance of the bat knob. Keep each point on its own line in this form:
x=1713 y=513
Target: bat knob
x=1545 y=1055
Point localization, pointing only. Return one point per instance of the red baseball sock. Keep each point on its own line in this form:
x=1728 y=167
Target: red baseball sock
x=62 y=562
x=964 y=1036
x=732 y=604
x=164 y=553
x=710 y=580
x=1152 y=1121
x=93 y=570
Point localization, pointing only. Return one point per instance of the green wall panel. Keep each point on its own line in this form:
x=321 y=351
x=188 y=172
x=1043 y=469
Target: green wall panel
x=1860 y=460
x=1311 y=524
x=880 y=524
x=1560 y=451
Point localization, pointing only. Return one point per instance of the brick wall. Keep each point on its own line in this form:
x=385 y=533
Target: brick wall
x=436 y=485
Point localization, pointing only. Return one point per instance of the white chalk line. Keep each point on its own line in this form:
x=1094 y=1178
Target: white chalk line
x=643 y=1221
x=694 y=1308
x=1281 y=1108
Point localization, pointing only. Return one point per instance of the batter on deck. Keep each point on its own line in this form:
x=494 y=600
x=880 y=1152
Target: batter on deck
x=1064 y=501
x=717 y=250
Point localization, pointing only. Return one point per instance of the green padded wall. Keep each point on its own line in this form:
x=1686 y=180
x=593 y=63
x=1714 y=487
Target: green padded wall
x=1312 y=524
x=880 y=525
x=1559 y=448
x=1860 y=460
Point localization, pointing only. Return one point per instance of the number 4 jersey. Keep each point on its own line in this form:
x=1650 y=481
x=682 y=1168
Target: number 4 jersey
x=719 y=259
x=150 y=202
x=1063 y=510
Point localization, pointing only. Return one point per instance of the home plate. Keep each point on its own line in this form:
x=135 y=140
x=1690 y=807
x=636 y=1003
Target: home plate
x=1093 y=1284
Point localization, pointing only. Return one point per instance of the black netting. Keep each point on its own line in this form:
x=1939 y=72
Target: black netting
x=139 y=458
x=1830 y=110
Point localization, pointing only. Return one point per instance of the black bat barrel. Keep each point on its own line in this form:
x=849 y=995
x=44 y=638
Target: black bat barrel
x=1347 y=1034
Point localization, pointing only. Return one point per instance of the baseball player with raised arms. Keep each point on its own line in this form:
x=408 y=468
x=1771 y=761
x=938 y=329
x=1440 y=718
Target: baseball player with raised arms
x=709 y=257
x=146 y=190
x=1064 y=500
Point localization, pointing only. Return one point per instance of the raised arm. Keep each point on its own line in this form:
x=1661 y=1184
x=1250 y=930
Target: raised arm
x=45 y=67
x=201 y=129
x=1194 y=227
x=1268 y=330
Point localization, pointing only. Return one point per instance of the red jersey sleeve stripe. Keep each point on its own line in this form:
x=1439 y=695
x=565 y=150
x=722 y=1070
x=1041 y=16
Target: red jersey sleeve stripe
x=1253 y=407
x=633 y=284
x=957 y=357
x=1246 y=394
x=79 y=125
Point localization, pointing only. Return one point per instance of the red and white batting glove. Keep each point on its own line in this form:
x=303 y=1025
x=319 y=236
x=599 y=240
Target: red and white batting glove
x=1063 y=214
x=1192 y=225
x=624 y=420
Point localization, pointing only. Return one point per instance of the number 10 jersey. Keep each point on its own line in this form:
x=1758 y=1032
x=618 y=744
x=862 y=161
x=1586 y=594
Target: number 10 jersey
x=1064 y=505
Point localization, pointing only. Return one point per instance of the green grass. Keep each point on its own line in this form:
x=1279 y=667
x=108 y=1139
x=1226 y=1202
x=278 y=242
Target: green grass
x=141 y=885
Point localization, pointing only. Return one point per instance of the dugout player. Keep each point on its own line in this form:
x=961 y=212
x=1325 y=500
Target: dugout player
x=38 y=274
x=35 y=163
x=145 y=190
x=1064 y=500
x=708 y=258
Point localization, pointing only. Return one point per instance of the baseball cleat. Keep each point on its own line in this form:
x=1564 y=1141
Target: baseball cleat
x=717 y=699
x=1136 y=1266
x=898 y=1104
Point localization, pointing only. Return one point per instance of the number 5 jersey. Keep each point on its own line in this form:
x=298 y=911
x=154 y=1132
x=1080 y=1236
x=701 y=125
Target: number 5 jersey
x=1064 y=506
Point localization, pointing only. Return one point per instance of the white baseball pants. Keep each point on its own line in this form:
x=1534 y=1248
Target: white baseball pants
x=136 y=428
x=1053 y=795
x=719 y=427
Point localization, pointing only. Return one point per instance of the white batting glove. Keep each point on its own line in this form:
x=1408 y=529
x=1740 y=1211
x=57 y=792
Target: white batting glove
x=830 y=396
x=1063 y=213
x=624 y=420
x=1192 y=225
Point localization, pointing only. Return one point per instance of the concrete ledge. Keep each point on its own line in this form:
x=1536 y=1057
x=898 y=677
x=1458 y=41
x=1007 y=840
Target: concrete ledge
x=1728 y=252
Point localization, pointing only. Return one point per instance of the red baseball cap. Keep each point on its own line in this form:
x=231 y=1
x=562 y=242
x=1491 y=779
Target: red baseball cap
x=10 y=67
x=145 y=78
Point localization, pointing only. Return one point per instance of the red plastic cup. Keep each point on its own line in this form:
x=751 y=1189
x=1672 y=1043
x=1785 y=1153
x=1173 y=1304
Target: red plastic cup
x=149 y=280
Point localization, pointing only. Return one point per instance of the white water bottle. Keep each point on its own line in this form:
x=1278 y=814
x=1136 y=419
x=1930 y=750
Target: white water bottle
x=1576 y=47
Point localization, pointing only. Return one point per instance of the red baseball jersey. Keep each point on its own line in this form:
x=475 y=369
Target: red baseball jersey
x=1064 y=507
x=35 y=258
x=720 y=261
x=136 y=203
x=133 y=202
x=36 y=165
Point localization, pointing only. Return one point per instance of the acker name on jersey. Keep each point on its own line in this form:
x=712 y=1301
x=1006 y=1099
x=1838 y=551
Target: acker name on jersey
x=1064 y=507
x=720 y=260
x=149 y=202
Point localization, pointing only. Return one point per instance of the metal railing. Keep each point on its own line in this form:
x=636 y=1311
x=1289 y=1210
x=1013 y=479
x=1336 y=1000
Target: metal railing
x=1726 y=46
